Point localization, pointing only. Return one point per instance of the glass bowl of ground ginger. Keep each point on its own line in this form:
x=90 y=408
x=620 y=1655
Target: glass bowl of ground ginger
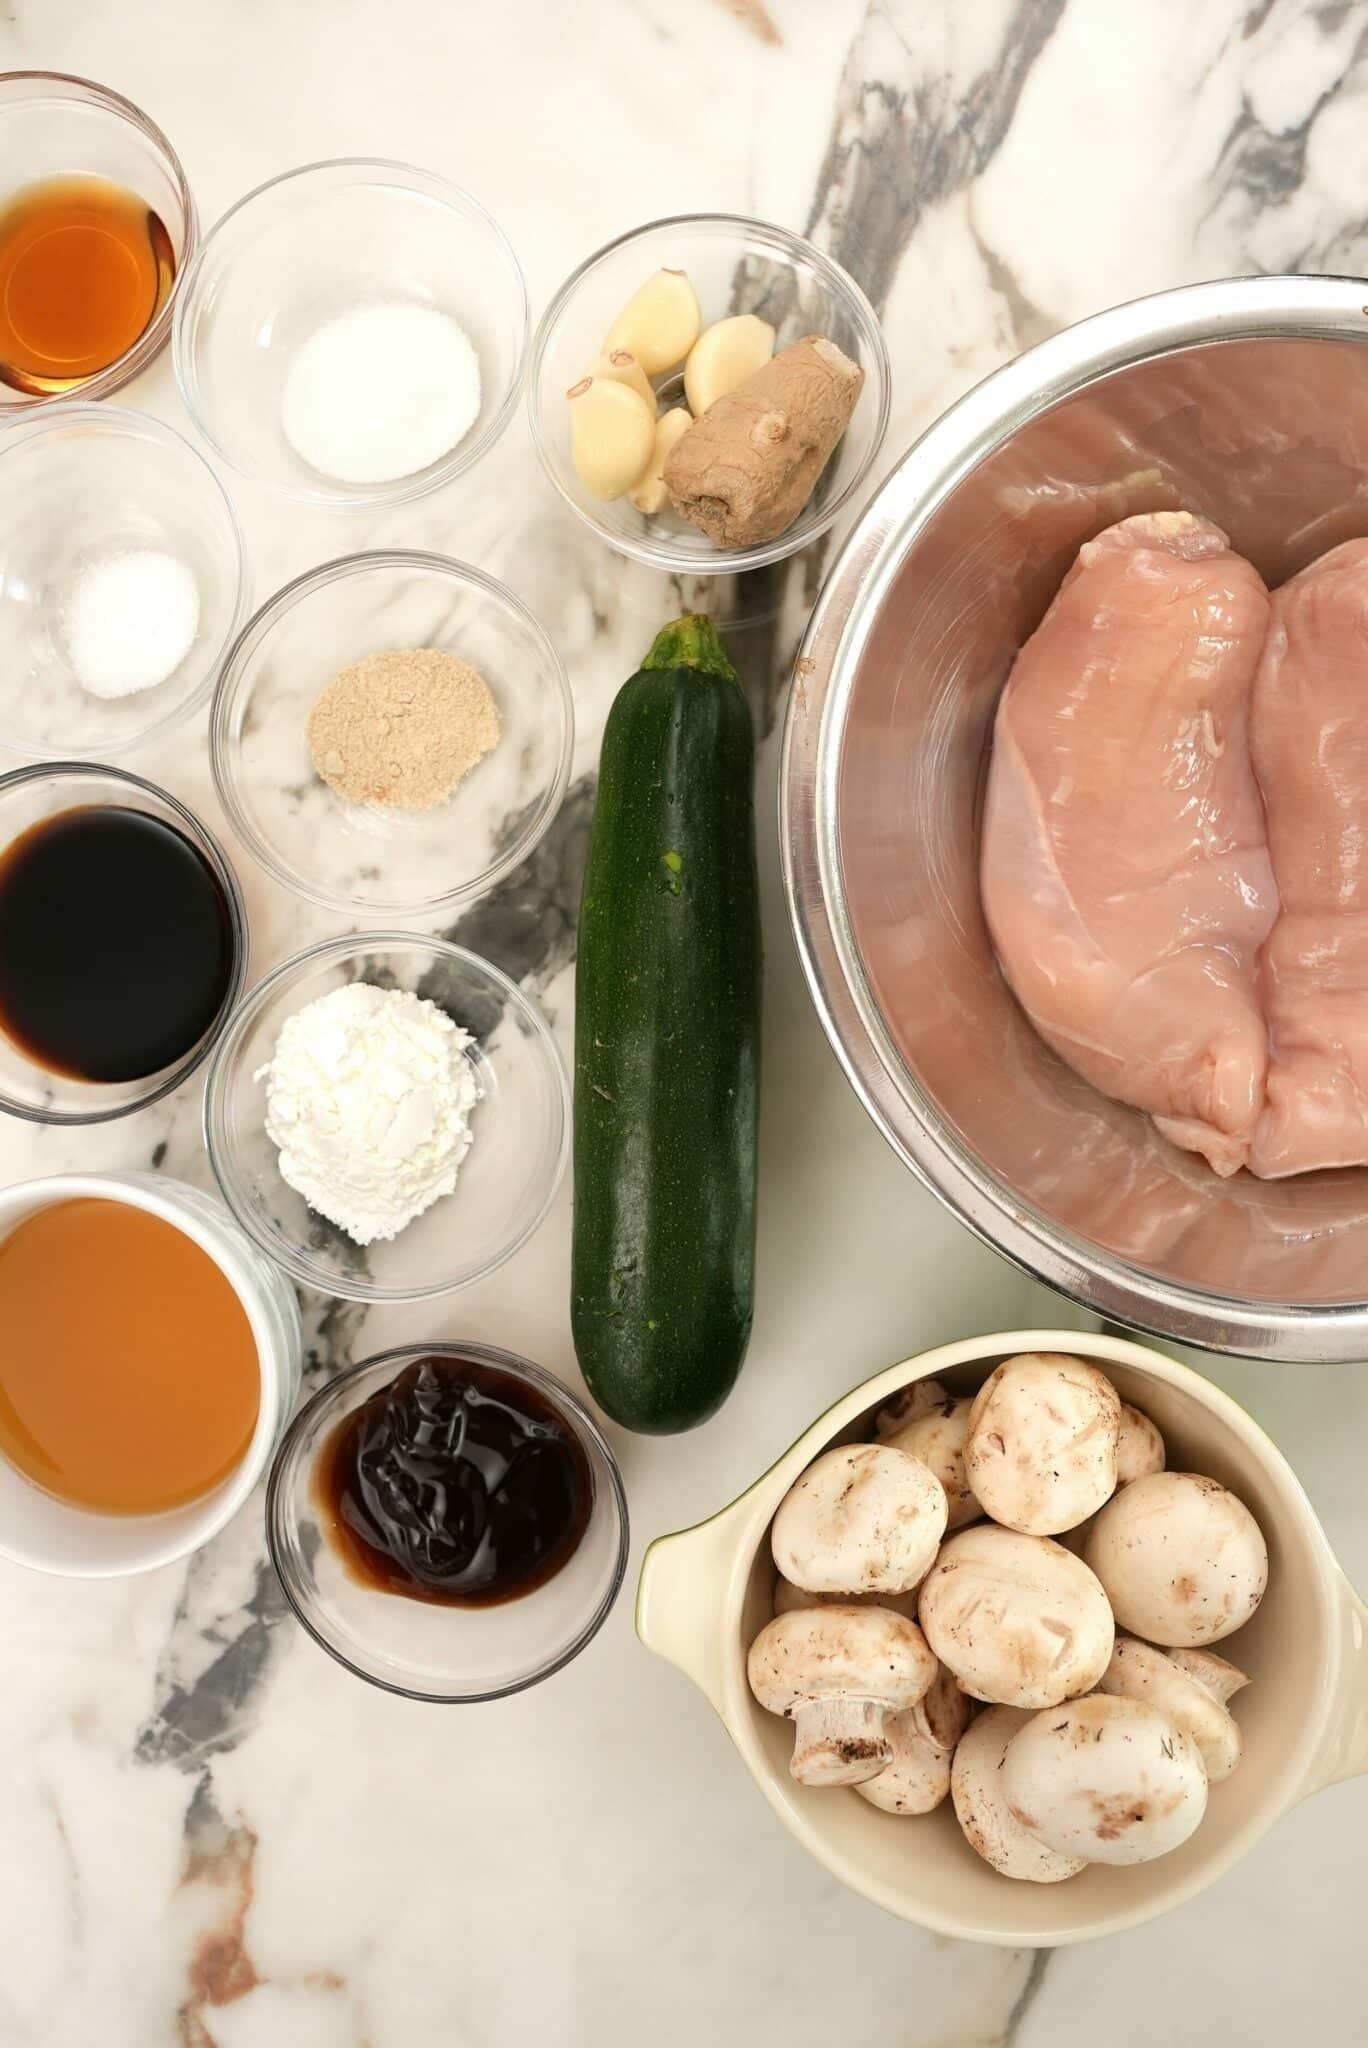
x=391 y=734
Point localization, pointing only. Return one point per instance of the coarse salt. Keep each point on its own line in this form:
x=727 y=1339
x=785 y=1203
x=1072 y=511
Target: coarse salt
x=130 y=621
x=380 y=392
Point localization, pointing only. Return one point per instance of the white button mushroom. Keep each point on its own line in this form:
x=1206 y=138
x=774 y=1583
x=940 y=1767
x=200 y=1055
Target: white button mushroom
x=935 y=1434
x=1221 y=1678
x=1183 y=1561
x=1140 y=1672
x=788 y=1598
x=981 y=1803
x=838 y=1673
x=1040 y=1453
x=944 y=1710
x=1016 y=1618
x=923 y=1741
x=907 y=1404
x=1141 y=1448
x=862 y=1519
x=1110 y=1780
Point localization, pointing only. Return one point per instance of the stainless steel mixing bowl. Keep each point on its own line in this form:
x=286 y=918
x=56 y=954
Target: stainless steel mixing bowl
x=1247 y=401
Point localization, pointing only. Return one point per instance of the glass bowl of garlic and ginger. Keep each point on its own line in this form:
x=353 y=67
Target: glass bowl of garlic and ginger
x=735 y=265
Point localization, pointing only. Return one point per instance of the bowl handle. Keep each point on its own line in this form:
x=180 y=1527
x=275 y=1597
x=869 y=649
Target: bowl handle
x=677 y=1600
x=1345 y=1754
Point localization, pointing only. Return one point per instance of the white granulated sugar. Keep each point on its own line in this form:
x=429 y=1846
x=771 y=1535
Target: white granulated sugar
x=368 y=1098
x=130 y=620
x=381 y=392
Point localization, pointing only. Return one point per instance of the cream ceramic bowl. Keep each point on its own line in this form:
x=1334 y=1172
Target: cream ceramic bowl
x=706 y=1593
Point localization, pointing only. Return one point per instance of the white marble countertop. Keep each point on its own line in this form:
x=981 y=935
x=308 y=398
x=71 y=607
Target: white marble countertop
x=210 y=1835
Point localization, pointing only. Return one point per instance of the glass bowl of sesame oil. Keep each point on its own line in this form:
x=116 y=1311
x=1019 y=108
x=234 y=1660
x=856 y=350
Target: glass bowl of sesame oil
x=97 y=225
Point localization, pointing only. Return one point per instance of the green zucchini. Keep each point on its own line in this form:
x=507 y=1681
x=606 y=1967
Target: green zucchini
x=667 y=1043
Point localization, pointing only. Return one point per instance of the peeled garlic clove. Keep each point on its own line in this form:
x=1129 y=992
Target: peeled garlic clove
x=620 y=366
x=612 y=434
x=650 y=494
x=659 y=324
x=724 y=355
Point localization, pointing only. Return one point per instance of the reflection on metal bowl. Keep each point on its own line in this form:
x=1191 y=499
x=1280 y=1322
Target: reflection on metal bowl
x=1246 y=401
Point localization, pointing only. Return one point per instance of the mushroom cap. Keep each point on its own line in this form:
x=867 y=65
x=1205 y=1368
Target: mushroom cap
x=862 y=1519
x=936 y=1435
x=981 y=1803
x=1183 y=1561
x=788 y=1597
x=820 y=1653
x=1016 y=1618
x=917 y=1778
x=1040 y=1454
x=944 y=1711
x=907 y=1405
x=1140 y=1672
x=1140 y=1449
x=1110 y=1780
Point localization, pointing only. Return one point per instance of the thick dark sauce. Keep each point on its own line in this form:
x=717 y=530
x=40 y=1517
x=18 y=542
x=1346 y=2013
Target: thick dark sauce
x=116 y=943
x=457 y=1483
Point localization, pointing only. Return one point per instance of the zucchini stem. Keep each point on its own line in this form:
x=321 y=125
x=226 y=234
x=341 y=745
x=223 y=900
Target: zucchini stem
x=692 y=641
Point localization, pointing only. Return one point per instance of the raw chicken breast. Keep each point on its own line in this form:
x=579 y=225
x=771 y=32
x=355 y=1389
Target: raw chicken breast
x=1126 y=879
x=1310 y=738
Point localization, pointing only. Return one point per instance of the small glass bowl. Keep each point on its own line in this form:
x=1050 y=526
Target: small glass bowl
x=370 y=859
x=29 y=794
x=80 y=483
x=54 y=126
x=735 y=266
x=447 y=1655
x=520 y=1126
x=316 y=243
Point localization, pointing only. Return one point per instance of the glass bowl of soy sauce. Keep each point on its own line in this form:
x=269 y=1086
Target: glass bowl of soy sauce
x=123 y=943
x=448 y=1521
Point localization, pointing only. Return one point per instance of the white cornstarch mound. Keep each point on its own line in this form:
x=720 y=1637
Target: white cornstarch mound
x=368 y=1098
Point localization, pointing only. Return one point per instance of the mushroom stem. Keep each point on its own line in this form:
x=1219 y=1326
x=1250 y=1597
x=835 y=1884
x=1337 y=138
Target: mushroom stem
x=839 y=1741
x=1218 y=1675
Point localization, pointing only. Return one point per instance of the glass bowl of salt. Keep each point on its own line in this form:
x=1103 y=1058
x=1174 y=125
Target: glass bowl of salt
x=353 y=333
x=122 y=582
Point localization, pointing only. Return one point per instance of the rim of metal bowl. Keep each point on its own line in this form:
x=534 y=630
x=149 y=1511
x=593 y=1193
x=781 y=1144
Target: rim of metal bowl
x=124 y=420
x=400 y=490
x=351 y=1287
x=723 y=561
x=221 y=749
x=155 y=335
x=1296 y=308
x=558 y=1392
x=204 y=842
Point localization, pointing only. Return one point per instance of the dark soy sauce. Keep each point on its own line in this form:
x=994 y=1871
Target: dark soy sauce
x=457 y=1483
x=116 y=943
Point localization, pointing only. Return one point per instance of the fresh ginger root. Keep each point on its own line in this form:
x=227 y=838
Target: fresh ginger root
x=745 y=470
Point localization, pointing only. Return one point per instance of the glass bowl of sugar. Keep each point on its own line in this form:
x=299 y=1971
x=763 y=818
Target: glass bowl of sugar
x=121 y=581
x=353 y=333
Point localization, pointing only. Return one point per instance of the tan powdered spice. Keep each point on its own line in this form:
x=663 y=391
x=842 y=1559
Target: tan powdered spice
x=402 y=728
